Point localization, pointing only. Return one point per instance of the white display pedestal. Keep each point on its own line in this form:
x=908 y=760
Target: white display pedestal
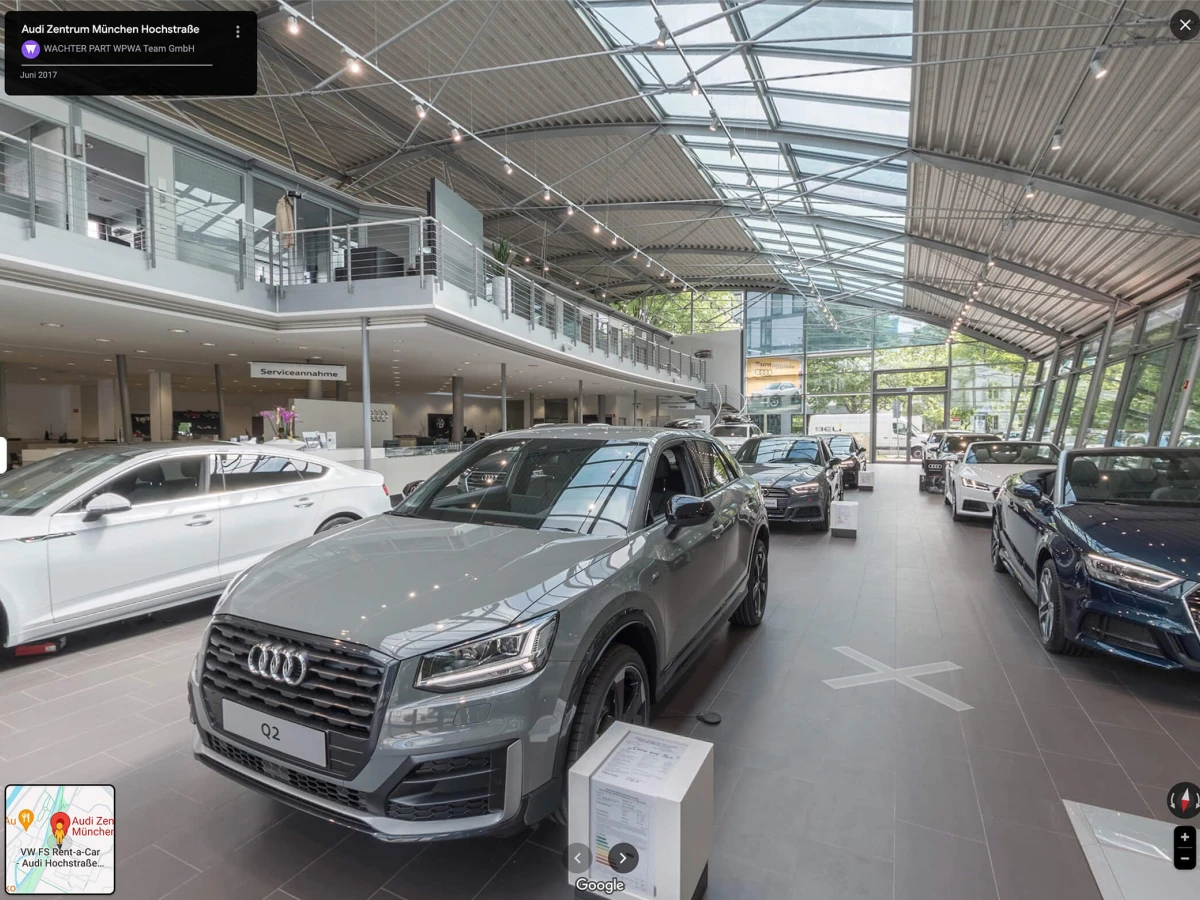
x=866 y=480
x=3 y=455
x=845 y=518
x=654 y=791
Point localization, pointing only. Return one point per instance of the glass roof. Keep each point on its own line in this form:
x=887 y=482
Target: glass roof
x=835 y=70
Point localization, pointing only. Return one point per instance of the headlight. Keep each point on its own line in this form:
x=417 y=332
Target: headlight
x=1123 y=574
x=849 y=463
x=977 y=485
x=512 y=653
x=805 y=488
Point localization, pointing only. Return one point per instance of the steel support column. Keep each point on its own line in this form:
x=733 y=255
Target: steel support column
x=221 y=432
x=504 y=396
x=1093 y=394
x=456 y=409
x=123 y=395
x=1047 y=393
x=366 y=393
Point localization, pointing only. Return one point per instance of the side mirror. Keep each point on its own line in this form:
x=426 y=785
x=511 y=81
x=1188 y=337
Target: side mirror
x=834 y=462
x=684 y=511
x=1027 y=491
x=960 y=456
x=105 y=504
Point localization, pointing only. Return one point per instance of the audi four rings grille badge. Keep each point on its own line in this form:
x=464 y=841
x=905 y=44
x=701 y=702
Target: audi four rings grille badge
x=278 y=662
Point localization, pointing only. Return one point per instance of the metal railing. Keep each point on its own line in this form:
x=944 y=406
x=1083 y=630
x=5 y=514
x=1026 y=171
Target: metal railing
x=50 y=189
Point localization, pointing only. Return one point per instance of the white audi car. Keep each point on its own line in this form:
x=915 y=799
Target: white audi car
x=734 y=434
x=103 y=533
x=971 y=482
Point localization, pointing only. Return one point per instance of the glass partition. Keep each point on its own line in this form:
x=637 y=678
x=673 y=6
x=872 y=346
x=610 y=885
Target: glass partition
x=1145 y=381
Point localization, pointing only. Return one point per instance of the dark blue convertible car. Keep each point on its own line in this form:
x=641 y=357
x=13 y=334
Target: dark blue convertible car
x=1108 y=546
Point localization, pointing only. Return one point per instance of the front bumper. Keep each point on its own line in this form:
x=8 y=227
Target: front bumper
x=432 y=775
x=795 y=507
x=1154 y=631
x=970 y=501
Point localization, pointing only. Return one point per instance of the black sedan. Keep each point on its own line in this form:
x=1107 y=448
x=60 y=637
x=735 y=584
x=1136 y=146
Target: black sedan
x=799 y=475
x=853 y=456
x=1108 y=546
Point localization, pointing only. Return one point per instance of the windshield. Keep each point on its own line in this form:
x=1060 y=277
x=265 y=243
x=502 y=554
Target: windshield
x=27 y=490
x=1159 y=477
x=544 y=483
x=957 y=443
x=780 y=450
x=731 y=431
x=1012 y=453
x=841 y=444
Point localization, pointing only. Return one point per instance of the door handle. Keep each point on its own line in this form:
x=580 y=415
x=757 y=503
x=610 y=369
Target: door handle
x=199 y=520
x=718 y=530
x=303 y=503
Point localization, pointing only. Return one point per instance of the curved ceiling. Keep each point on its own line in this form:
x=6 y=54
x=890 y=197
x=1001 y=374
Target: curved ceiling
x=873 y=151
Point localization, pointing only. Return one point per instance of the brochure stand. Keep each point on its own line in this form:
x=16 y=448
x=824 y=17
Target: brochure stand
x=845 y=518
x=866 y=480
x=640 y=823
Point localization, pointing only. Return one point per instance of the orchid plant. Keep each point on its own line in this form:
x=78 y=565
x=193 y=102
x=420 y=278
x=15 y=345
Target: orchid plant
x=283 y=421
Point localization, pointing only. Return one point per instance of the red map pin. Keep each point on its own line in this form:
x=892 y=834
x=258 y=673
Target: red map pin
x=60 y=822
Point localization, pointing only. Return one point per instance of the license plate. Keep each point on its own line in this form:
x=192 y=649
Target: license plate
x=277 y=734
x=770 y=503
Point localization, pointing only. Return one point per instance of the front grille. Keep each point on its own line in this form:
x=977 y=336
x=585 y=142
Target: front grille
x=341 y=695
x=317 y=787
x=450 y=787
x=975 y=506
x=1121 y=633
x=1192 y=602
x=776 y=493
x=477 y=481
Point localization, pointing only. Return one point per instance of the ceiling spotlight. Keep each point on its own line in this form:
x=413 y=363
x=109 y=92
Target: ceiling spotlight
x=604 y=293
x=546 y=194
x=207 y=344
x=662 y=272
x=177 y=330
x=293 y=25
x=614 y=240
x=353 y=66
x=420 y=110
x=570 y=210
x=455 y=135
x=527 y=259
x=1029 y=191
x=979 y=283
x=545 y=268
x=51 y=325
x=749 y=180
x=576 y=282
x=712 y=124
x=596 y=228
x=635 y=253
x=991 y=263
x=103 y=340
x=732 y=150
x=695 y=85
x=647 y=263
x=1056 y=138
x=508 y=169
x=1097 y=66
x=663 y=34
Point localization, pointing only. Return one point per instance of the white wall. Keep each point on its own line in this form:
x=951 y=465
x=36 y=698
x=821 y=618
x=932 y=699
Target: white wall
x=34 y=408
x=344 y=417
x=726 y=366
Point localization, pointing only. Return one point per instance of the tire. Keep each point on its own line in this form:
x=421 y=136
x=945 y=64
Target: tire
x=335 y=522
x=997 y=561
x=591 y=719
x=750 y=611
x=954 y=513
x=823 y=524
x=1050 y=613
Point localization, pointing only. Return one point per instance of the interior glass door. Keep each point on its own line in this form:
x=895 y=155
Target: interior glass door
x=902 y=423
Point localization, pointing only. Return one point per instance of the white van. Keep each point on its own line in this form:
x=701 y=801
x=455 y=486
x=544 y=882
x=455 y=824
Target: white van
x=890 y=433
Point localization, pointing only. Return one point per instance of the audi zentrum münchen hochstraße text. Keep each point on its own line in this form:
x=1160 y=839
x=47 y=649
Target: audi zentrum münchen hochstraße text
x=1108 y=546
x=99 y=534
x=435 y=672
x=799 y=475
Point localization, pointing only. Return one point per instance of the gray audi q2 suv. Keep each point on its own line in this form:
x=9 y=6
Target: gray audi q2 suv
x=435 y=671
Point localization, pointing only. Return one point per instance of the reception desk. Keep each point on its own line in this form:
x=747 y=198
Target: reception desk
x=397 y=470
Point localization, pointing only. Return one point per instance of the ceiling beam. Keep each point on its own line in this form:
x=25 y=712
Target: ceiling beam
x=983 y=307
x=867 y=145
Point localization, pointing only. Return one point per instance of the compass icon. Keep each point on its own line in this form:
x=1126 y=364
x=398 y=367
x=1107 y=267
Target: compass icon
x=1183 y=800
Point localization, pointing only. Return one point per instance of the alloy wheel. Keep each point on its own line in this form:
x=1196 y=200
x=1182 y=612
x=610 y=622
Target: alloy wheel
x=758 y=579
x=1045 y=604
x=624 y=701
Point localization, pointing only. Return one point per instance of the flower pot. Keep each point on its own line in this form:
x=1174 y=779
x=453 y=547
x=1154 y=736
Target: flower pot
x=500 y=291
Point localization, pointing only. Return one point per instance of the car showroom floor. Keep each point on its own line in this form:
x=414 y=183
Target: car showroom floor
x=872 y=791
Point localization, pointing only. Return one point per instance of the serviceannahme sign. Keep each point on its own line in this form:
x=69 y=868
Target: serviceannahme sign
x=298 y=371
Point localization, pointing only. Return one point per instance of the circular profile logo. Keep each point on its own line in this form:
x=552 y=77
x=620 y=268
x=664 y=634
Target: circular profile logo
x=30 y=49
x=1183 y=800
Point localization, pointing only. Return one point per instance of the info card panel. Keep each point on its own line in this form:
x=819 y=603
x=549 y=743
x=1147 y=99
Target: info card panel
x=167 y=54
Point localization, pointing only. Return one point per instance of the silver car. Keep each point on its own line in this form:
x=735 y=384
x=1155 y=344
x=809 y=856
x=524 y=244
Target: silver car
x=435 y=672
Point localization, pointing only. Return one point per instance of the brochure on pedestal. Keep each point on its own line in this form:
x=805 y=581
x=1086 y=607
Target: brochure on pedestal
x=866 y=480
x=845 y=518
x=644 y=795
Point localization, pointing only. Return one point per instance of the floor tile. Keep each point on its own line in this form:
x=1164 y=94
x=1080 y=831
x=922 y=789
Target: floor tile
x=931 y=864
x=1148 y=758
x=151 y=874
x=1094 y=783
x=1029 y=863
x=938 y=792
x=994 y=723
x=1113 y=704
x=1061 y=729
x=1018 y=788
x=764 y=818
x=533 y=873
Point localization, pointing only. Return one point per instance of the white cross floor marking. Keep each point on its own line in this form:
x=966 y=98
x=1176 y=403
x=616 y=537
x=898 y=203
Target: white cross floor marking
x=906 y=676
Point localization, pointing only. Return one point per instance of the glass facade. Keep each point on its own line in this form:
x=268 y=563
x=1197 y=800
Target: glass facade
x=881 y=376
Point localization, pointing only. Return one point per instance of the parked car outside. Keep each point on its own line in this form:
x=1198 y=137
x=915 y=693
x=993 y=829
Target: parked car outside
x=852 y=454
x=493 y=631
x=799 y=475
x=948 y=451
x=971 y=482
x=734 y=435
x=104 y=533
x=1107 y=544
